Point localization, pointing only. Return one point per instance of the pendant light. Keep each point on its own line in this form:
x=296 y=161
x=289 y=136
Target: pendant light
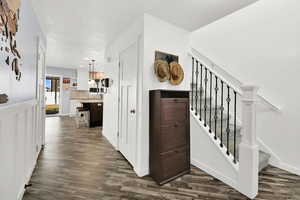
x=90 y=78
x=93 y=72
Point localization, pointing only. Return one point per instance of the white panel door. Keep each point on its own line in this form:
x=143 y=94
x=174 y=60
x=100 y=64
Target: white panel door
x=128 y=101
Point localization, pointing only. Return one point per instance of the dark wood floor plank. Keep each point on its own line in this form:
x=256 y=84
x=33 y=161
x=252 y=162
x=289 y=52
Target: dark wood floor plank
x=80 y=164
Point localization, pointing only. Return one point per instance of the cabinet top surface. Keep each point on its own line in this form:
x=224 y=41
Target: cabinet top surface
x=165 y=90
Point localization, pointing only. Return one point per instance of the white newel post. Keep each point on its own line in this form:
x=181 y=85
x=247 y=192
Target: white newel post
x=249 y=153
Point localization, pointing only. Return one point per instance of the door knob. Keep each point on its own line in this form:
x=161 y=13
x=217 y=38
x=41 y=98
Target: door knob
x=132 y=111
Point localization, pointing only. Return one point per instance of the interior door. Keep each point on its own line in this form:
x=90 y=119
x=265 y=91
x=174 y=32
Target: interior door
x=41 y=112
x=128 y=102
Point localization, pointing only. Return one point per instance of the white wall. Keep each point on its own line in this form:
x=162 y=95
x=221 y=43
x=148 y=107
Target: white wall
x=64 y=72
x=110 y=106
x=216 y=162
x=153 y=34
x=65 y=95
x=18 y=148
x=26 y=37
x=82 y=79
x=260 y=44
x=133 y=33
x=162 y=36
x=18 y=121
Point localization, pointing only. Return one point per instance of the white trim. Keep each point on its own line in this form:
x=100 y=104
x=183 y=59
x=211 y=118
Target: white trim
x=60 y=89
x=136 y=43
x=40 y=77
x=110 y=142
x=214 y=69
x=21 y=194
x=268 y=103
x=31 y=172
x=286 y=167
x=231 y=80
x=141 y=172
x=276 y=161
x=231 y=182
x=22 y=191
x=217 y=142
x=16 y=107
x=265 y=148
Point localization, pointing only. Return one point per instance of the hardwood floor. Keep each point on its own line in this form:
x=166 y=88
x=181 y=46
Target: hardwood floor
x=79 y=164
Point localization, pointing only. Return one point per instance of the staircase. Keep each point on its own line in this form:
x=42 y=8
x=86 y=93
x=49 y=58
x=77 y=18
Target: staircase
x=221 y=133
x=218 y=106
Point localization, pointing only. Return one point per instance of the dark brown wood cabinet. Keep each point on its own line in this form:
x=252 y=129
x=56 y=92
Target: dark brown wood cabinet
x=169 y=134
x=96 y=113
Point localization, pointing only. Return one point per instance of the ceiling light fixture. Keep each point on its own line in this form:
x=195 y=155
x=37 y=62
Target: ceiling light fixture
x=93 y=72
x=91 y=79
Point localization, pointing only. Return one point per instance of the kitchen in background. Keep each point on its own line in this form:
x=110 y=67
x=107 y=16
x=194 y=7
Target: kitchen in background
x=78 y=93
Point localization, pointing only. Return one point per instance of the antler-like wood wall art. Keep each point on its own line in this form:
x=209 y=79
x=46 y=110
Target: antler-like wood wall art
x=9 y=14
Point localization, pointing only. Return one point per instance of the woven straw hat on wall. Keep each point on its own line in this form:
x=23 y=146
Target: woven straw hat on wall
x=177 y=73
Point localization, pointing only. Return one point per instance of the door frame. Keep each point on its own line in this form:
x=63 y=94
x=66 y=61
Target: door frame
x=60 y=90
x=40 y=110
x=137 y=43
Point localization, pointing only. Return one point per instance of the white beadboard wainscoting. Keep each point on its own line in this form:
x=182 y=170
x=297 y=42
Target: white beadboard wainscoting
x=20 y=144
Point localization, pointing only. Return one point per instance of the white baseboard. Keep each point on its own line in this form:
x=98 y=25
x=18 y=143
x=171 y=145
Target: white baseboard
x=231 y=182
x=22 y=190
x=31 y=172
x=262 y=146
x=113 y=143
x=286 y=167
x=141 y=172
x=276 y=161
x=21 y=194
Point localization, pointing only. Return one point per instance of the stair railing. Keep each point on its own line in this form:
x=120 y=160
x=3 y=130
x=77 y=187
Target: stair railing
x=220 y=118
x=205 y=103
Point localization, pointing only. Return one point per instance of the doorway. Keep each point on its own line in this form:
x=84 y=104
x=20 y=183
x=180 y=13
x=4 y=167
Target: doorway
x=53 y=94
x=128 y=69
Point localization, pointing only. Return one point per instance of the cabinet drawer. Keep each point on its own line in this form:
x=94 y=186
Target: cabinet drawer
x=174 y=111
x=173 y=135
x=174 y=162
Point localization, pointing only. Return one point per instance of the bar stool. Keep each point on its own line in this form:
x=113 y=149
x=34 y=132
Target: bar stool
x=82 y=117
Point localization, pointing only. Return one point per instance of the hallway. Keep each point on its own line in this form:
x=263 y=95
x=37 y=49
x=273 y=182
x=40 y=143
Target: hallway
x=79 y=164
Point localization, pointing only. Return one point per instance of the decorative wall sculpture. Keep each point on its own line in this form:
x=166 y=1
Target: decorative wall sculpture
x=9 y=14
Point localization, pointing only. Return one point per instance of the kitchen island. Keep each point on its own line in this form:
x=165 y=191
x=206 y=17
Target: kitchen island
x=95 y=107
x=89 y=102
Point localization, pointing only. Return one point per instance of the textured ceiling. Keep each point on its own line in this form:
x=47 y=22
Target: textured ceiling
x=78 y=30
